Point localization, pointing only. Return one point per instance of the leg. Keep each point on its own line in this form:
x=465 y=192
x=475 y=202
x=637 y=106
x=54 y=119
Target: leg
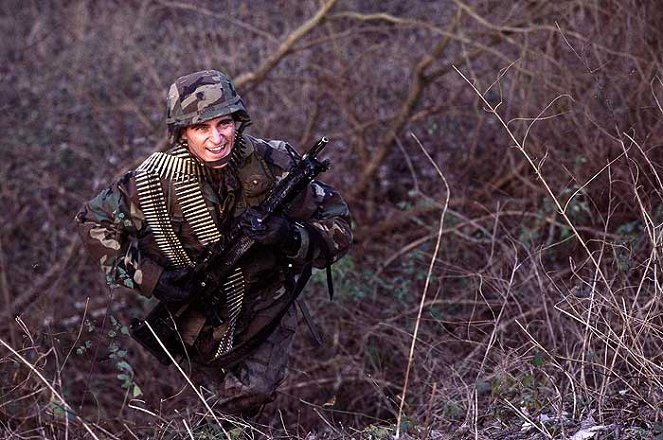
x=253 y=382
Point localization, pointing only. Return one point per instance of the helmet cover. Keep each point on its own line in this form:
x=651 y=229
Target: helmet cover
x=201 y=96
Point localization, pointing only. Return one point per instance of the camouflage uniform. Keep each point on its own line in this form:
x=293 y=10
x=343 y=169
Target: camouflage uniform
x=117 y=232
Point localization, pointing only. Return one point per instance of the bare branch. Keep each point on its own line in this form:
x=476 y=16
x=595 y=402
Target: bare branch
x=249 y=80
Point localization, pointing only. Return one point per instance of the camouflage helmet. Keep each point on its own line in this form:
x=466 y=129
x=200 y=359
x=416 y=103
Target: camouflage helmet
x=201 y=96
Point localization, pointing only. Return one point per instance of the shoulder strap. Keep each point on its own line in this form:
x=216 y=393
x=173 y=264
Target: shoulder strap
x=316 y=241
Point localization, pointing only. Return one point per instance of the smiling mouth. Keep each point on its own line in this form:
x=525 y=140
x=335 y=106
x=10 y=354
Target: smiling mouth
x=217 y=149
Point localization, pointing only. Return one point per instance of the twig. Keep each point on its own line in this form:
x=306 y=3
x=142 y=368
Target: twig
x=196 y=7
x=426 y=286
x=543 y=181
x=592 y=178
x=542 y=429
x=130 y=431
x=419 y=81
x=193 y=387
x=80 y=331
x=653 y=92
x=429 y=411
x=68 y=408
x=4 y=291
x=24 y=300
x=554 y=29
x=408 y=161
x=249 y=79
x=188 y=430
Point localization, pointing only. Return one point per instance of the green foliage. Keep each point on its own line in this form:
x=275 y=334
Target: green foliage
x=483 y=387
x=83 y=348
x=87 y=97
x=657 y=430
x=525 y=388
x=542 y=227
x=407 y=425
x=56 y=408
x=437 y=313
x=210 y=431
x=410 y=274
x=378 y=432
x=373 y=356
x=374 y=432
x=349 y=281
x=538 y=360
x=354 y=283
x=631 y=232
x=119 y=356
x=452 y=411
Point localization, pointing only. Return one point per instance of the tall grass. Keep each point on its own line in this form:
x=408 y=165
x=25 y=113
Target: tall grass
x=528 y=300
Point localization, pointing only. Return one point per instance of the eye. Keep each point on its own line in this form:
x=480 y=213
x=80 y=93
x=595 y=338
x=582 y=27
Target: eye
x=225 y=122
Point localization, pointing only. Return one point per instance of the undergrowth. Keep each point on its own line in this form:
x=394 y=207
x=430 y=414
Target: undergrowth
x=502 y=164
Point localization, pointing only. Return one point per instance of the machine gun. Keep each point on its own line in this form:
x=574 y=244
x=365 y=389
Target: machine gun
x=218 y=262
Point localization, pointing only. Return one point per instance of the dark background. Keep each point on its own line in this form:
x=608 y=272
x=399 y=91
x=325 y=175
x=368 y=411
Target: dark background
x=527 y=312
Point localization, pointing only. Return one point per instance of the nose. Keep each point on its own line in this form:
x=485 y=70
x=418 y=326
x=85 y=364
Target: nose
x=215 y=135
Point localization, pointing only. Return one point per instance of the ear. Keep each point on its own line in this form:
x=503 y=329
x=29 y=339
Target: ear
x=183 y=134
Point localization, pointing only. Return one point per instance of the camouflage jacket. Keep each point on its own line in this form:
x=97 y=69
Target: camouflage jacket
x=114 y=229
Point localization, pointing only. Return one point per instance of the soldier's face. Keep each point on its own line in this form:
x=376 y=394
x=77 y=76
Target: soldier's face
x=211 y=140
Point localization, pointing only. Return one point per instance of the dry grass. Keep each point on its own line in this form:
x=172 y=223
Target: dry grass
x=525 y=304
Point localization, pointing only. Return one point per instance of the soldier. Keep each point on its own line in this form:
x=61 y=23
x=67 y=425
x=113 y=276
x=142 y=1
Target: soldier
x=149 y=227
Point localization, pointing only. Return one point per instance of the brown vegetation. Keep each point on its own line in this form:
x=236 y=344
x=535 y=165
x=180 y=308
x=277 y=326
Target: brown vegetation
x=539 y=310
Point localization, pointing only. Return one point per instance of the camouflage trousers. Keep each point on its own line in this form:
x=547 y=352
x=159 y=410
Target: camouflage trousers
x=243 y=390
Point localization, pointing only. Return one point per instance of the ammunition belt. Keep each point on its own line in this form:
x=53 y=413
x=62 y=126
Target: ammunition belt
x=233 y=289
x=185 y=174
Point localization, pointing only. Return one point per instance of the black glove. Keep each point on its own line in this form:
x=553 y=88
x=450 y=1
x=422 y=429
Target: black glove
x=174 y=286
x=274 y=230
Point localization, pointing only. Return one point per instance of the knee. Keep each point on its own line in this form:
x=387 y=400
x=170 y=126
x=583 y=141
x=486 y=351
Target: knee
x=250 y=402
x=264 y=390
x=246 y=394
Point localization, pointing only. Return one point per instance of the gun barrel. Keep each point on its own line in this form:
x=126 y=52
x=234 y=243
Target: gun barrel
x=317 y=148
